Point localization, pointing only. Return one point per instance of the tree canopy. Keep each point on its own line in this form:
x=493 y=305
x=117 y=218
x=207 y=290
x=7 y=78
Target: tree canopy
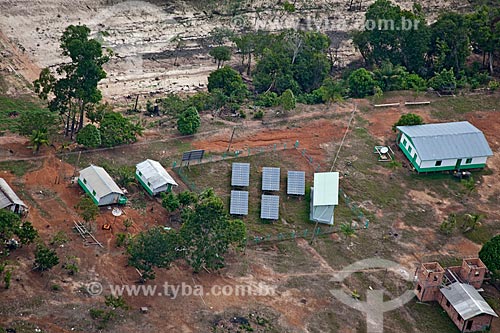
x=207 y=233
x=490 y=255
x=204 y=238
x=153 y=248
x=189 y=121
x=89 y=136
x=294 y=60
x=220 y=54
x=361 y=83
x=115 y=130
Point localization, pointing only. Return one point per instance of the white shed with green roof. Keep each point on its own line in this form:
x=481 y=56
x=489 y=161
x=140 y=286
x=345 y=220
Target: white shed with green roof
x=444 y=146
x=153 y=177
x=101 y=188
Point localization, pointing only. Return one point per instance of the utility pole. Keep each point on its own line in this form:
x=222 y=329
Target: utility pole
x=231 y=140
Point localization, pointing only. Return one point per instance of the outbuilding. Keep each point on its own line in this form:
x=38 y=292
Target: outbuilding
x=324 y=197
x=9 y=199
x=153 y=177
x=99 y=185
x=444 y=146
x=466 y=307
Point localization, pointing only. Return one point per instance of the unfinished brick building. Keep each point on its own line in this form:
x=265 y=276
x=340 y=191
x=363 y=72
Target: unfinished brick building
x=455 y=289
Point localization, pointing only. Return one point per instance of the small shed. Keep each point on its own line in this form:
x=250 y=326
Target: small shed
x=466 y=307
x=101 y=188
x=153 y=177
x=324 y=197
x=444 y=146
x=9 y=199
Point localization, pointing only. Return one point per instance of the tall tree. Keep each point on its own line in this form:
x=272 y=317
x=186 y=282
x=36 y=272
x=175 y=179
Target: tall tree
x=246 y=46
x=395 y=35
x=450 y=44
x=485 y=33
x=76 y=89
x=220 y=55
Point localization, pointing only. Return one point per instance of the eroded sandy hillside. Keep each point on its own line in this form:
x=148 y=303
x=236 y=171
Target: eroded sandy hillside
x=140 y=34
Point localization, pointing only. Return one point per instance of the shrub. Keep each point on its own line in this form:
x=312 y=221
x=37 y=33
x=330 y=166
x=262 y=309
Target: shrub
x=315 y=97
x=189 y=121
x=444 y=80
x=409 y=119
x=259 y=114
x=116 y=130
x=361 y=83
x=288 y=100
x=267 y=99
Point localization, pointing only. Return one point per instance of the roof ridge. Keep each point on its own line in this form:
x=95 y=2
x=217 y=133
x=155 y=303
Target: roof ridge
x=98 y=175
x=9 y=196
x=470 y=296
x=445 y=134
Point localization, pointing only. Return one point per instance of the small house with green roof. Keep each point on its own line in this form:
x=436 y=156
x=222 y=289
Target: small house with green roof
x=444 y=146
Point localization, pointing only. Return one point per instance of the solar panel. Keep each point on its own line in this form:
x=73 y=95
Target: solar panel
x=296 y=182
x=239 y=203
x=270 y=179
x=193 y=155
x=270 y=207
x=241 y=174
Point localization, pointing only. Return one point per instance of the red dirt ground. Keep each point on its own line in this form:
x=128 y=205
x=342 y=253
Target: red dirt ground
x=54 y=211
x=311 y=137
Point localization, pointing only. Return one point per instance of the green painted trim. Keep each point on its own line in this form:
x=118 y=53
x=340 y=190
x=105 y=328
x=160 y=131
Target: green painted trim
x=408 y=156
x=82 y=185
x=146 y=187
x=408 y=137
x=450 y=168
x=437 y=169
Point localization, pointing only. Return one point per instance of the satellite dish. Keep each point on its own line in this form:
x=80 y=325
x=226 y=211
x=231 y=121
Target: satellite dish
x=117 y=212
x=384 y=150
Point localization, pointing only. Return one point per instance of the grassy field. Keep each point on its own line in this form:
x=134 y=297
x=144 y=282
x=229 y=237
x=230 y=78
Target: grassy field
x=11 y=108
x=294 y=211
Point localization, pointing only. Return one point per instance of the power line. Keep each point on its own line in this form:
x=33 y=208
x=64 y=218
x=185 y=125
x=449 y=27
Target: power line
x=345 y=135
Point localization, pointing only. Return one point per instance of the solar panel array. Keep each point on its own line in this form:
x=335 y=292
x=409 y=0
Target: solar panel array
x=270 y=179
x=270 y=206
x=296 y=183
x=239 y=203
x=240 y=174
